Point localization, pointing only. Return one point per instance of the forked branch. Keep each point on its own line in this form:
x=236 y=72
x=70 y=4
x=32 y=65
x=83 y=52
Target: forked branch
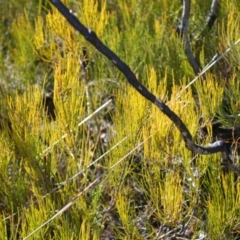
x=91 y=37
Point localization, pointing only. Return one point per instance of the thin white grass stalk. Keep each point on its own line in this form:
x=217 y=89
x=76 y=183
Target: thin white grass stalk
x=91 y=164
x=64 y=208
x=74 y=176
x=129 y=153
x=88 y=99
x=212 y=62
x=82 y=122
x=68 y=205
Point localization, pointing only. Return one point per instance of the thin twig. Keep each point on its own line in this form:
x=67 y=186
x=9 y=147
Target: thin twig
x=92 y=184
x=46 y=151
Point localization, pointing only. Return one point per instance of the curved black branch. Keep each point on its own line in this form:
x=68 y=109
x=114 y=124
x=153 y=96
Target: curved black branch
x=182 y=30
x=90 y=36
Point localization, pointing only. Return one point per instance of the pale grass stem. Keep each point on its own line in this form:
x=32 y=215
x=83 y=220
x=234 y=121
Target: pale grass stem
x=214 y=60
x=68 y=205
x=46 y=151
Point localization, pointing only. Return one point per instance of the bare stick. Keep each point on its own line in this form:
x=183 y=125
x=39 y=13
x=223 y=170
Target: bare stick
x=91 y=36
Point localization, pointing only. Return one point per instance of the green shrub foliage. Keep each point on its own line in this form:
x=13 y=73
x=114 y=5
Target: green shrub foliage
x=83 y=156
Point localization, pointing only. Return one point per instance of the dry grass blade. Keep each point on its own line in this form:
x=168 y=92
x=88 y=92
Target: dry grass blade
x=47 y=150
x=214 y=60
x=92 y=184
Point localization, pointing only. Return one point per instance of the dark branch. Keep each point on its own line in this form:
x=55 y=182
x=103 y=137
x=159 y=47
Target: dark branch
x=90 y=36
x=182 y=29
x=212 y=16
